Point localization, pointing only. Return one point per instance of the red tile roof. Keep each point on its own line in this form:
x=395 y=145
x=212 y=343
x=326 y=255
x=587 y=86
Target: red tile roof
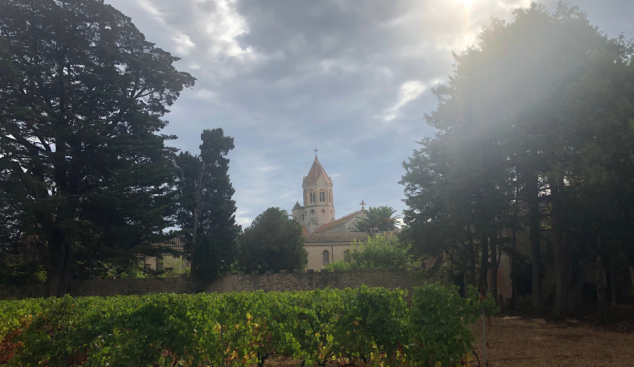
x=337 y=222
x=315 y=171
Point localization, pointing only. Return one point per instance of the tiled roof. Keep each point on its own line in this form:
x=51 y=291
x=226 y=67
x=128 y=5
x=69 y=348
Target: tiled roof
x=315 y=171
x=337 y=222
x=334 y=237
x=304 y=230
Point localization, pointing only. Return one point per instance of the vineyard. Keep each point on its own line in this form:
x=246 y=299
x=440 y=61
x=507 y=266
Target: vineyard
x=352 y=327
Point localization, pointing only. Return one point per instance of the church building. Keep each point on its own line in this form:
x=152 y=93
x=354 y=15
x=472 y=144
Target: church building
x=325 y=238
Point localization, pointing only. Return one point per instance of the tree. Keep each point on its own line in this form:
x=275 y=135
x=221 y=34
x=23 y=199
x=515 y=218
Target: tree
x=274 y=242
x=532 y=132
x=79 y=120
x=206 y=211
x=378 y=252
x=380 y=217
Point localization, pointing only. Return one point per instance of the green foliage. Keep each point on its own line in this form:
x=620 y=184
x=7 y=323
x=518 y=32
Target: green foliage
x=352 y=326
x=85 y=175
x=206 y=210
x=274 y=242
x=383 y=251
x=533 y=130
x=380 y=217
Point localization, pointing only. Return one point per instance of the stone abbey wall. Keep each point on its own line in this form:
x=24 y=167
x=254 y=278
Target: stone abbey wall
x=397 y=278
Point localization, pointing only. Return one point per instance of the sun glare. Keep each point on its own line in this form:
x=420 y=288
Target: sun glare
x=467 y=3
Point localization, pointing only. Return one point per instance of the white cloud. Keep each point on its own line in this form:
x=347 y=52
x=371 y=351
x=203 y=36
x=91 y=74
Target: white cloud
x=242 y=218
x=184 y=43
x=223 y=26
x=409 y=91
x=347 y=76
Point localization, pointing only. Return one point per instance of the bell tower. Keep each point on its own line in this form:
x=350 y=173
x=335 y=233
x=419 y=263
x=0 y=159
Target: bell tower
x=319 y=207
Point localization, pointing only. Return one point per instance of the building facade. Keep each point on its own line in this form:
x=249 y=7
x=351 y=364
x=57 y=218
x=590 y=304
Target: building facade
x=319 y=207
x=325 y=238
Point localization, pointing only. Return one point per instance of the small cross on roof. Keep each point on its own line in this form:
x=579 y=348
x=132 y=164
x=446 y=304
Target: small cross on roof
x=362 y=205
x=315 y=152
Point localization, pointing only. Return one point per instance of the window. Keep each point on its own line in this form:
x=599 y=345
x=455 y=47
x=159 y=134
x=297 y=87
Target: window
x=312 y=197
x=326 y=258
x=322 y=197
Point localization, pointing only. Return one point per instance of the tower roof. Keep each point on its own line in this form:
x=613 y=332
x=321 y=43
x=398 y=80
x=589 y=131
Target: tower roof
x=297 y=206
x=315 y=171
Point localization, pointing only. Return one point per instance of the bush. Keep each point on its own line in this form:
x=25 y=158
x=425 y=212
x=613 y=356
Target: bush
x=354 y=326
x=378 y=252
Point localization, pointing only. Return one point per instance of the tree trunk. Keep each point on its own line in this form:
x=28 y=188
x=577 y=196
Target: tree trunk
x=63 y=286
x=600 y=281
x=474 y=260
x=632 y=275
x=52 y=271
x=55 y=263
x=484 y=264
x=493 y=287
x=193 y=262
x=612 y=280
x=472 y=272
x=465 y=281
x=537 y=294
x=512 y=257
x=562 y=257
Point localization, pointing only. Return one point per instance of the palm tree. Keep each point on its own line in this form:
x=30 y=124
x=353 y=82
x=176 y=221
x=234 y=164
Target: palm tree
x=380 y=217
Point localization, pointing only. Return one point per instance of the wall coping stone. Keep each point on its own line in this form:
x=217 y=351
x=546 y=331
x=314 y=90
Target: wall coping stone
x=310 y=270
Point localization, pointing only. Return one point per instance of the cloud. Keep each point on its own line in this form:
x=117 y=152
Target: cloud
x=351 y=77
x=408 y=91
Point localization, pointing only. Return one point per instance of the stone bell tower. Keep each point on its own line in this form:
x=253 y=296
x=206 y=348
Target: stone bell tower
x=318 y=208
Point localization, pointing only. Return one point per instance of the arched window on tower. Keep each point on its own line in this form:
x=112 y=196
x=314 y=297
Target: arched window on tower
x=326 y=258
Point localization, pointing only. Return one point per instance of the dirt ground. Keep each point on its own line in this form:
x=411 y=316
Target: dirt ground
x=523 y=342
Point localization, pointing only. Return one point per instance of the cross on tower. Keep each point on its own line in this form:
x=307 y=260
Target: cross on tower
x=362 y=205
x=315 y=152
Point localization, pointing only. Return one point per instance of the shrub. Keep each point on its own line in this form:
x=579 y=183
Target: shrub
x=353 y=326
x=378 y=252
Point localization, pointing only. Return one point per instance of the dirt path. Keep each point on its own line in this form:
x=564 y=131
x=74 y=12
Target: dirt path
x=518 y=343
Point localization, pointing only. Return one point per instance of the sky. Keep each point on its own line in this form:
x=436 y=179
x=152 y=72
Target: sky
x=352 y=78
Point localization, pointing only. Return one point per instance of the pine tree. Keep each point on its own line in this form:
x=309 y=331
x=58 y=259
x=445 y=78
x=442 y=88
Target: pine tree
x=206 y=211
x=80 y=116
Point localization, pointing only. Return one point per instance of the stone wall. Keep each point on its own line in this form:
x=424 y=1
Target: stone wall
x=105 y=287
x=405 y=279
